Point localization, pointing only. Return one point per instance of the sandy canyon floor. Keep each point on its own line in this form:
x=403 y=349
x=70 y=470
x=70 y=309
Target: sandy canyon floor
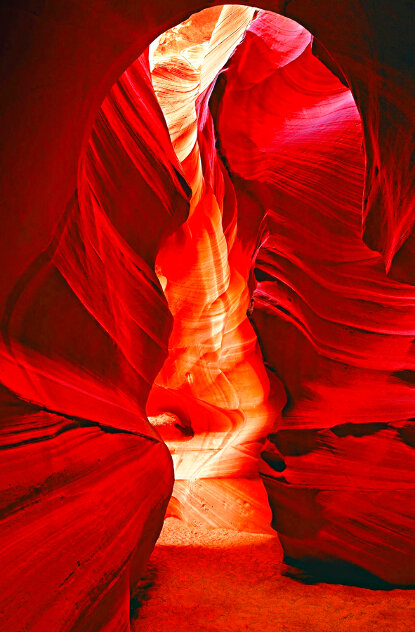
x=223 y=581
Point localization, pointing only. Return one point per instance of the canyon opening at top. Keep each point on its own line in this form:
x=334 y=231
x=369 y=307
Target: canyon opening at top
x=268 y=374
x=221 y=241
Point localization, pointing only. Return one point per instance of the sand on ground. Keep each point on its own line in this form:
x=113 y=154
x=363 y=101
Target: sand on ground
x=223 y=581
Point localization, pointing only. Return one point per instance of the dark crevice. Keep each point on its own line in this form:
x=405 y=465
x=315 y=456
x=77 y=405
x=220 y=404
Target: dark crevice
x=76 y=422
x=314 y=571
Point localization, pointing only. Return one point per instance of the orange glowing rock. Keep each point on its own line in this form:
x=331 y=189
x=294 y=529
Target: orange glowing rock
x=142 y=222
x=213 y=377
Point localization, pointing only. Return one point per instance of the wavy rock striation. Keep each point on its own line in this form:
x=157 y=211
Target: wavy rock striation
x=332 y=325
x=87 y=479
x=213 y=386
x=136 y=235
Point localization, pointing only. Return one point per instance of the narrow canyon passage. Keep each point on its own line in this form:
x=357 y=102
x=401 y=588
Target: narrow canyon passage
x=213 y=386
x=207 y=316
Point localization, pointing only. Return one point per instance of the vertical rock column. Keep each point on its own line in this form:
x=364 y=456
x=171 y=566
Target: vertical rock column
x=212 y=401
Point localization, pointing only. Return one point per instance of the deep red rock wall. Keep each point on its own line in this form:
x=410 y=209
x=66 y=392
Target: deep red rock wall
x=332 y=325
x=85 y=324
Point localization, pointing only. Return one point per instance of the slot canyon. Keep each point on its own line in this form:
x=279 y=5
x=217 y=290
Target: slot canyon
x=207 y=303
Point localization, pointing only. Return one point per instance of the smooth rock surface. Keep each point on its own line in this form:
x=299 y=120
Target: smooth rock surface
x=93 y=193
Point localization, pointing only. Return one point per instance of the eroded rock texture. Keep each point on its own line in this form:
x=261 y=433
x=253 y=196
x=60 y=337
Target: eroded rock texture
x=332 y=325
x=140 y=224
x=86 y=479
x=213 y=382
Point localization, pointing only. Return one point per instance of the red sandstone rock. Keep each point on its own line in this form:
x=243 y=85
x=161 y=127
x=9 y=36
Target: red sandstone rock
x=334 y=328
x=91 y=198
x=213 y=378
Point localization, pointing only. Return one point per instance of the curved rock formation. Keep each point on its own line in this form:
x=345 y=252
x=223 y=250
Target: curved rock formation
x=213 y=381
x=334 y=328
x=87 y=479
x=130 y=251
